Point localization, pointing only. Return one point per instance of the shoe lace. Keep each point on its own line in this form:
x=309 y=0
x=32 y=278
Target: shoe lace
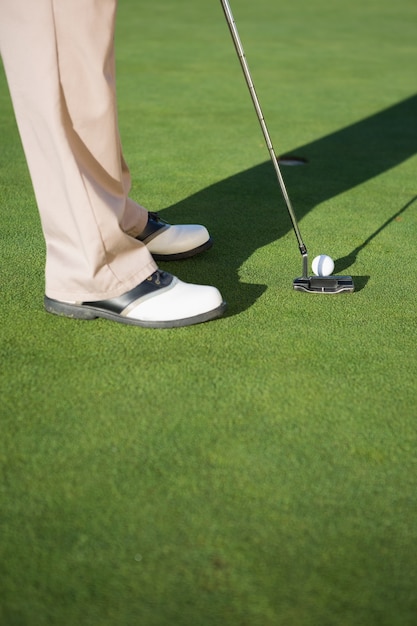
x=160 y=277
x=155 y=217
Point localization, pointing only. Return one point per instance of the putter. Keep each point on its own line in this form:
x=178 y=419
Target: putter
x=310 y=284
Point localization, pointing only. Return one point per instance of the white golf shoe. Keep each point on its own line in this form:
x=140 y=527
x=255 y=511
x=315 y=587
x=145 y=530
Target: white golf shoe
x=161 y=301
x=168 y=242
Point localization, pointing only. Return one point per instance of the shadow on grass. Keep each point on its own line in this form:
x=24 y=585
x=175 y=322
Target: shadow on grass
x=246 y=211
x=350 y=258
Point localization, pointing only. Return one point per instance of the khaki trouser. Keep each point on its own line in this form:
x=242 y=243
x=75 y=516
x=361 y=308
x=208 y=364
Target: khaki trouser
x=59 y=61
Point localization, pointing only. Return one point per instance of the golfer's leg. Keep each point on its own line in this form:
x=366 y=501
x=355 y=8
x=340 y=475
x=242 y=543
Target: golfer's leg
x=135 y=216
x=58 y=56
x=87 y=67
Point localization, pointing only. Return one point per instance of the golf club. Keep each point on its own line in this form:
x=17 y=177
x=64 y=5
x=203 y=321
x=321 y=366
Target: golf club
x=311 y=284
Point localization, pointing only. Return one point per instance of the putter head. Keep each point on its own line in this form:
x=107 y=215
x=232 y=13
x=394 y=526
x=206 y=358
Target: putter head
x=324 y=284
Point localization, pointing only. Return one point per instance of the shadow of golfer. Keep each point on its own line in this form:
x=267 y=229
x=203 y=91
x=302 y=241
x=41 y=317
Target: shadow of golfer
x=242 y=213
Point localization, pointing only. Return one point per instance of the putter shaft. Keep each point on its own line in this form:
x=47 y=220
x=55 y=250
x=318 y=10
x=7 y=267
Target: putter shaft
x=242 y=58
x=312 y=284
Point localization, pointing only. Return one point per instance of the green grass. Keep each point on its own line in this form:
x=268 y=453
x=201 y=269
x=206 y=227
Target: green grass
x=259 y=470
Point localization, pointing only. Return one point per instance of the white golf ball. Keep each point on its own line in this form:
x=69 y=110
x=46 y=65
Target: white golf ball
x=322 y=265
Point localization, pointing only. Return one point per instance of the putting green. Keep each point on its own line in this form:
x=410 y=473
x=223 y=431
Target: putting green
x=258 y=470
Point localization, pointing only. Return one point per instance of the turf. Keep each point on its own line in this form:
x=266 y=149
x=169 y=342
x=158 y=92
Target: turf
x=259 y=470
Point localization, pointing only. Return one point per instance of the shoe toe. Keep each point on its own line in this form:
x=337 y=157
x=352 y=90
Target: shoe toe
x=178 y=238
x=180 y=301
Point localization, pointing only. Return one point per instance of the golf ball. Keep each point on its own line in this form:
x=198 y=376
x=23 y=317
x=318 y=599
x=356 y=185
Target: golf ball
x=322 y=265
